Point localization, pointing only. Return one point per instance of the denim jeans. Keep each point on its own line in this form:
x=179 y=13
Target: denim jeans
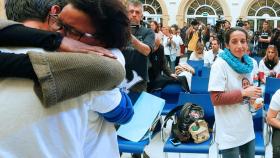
x=171 y=63
x=276 y=143
x=245 y=151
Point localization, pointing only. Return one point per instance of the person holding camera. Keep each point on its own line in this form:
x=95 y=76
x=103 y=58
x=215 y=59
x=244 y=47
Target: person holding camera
x=141 y=45
x=220 y=32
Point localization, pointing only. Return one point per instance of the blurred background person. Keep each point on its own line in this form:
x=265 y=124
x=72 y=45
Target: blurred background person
x=269 y=65
x=264 y=38
x=192 y=37
x=141 y=45
x=275 y=39
x=198 y=53
x=175 y=31
x=211 y=55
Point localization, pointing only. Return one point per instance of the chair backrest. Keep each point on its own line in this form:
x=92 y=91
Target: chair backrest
x=271 y=86
x=205 y=71
x=197 y=65
x=204 y=101
x=258 y=121
x=199 y=85
x=171 y=92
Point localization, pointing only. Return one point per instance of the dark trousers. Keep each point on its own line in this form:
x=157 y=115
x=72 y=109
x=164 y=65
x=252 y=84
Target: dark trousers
x=139 y=87
x=171 y=63
x=276 y=143
x=177 y=60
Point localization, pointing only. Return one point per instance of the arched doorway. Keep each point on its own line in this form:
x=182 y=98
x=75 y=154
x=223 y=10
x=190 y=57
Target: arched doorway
x=205 y=10
x=155 y=10
x=263 y=10
x=2 y=10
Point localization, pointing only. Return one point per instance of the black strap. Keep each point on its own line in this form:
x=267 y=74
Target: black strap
x=170 y=114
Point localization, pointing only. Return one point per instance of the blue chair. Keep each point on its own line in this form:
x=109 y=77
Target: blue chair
x=258 y=128
x=197 y=65
x=204 y=101
x=205 y=71
x=199 y=85
x=126 y=146
x=271 y=86
x=141 y=100
x=170 y=93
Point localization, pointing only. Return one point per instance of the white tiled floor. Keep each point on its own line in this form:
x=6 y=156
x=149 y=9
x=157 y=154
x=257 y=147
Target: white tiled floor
x=155 y=149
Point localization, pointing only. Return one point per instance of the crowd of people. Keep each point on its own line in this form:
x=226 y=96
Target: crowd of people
x=66 y=66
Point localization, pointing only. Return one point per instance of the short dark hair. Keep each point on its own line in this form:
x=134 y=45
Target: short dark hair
x=194 y=22
x=216 y=39
x=157 y=25
x=233 y=29
x=109 y=17
x=22 y=10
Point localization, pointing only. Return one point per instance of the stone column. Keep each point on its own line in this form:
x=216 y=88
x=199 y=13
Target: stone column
x=2 y=10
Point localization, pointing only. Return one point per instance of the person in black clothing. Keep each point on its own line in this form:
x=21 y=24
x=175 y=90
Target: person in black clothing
x=141 y=45
x=160 y=73
x=275 y=39
x=264 y=39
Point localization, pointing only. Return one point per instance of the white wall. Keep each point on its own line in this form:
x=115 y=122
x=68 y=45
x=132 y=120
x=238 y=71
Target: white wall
x=235 y=5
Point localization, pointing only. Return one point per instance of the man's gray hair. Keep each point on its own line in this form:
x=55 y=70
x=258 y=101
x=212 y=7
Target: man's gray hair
x=22 y=10
x=135 y=3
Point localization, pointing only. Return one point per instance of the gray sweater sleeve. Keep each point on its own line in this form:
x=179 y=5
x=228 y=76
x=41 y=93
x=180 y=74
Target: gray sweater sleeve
x=66 y=75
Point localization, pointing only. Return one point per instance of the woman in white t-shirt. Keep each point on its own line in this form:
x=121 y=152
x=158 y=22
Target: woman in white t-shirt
x=198 y=54
x=270 y=63
x=234 y=124
x=273 y=118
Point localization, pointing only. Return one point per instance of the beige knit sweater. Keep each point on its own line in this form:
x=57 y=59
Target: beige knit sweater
x=66 y=75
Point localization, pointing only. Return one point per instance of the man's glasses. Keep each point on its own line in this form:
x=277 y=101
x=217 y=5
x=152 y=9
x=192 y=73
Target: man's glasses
x=55 y=24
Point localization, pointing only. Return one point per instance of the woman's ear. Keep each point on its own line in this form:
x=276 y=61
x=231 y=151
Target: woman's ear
x=55 y=9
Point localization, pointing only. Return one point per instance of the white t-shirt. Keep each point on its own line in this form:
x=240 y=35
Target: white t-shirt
x=178 y=40
x=72 y=128
x=275 y=102
x=194 y=57
x=263 y=68
x=168 y=50
x=209 y=57
x=234 y=123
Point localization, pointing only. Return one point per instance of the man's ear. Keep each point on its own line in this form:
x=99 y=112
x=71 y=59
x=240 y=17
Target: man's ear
x=55 y=9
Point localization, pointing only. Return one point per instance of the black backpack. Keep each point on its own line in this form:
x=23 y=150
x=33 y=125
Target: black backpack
x=188 y=114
